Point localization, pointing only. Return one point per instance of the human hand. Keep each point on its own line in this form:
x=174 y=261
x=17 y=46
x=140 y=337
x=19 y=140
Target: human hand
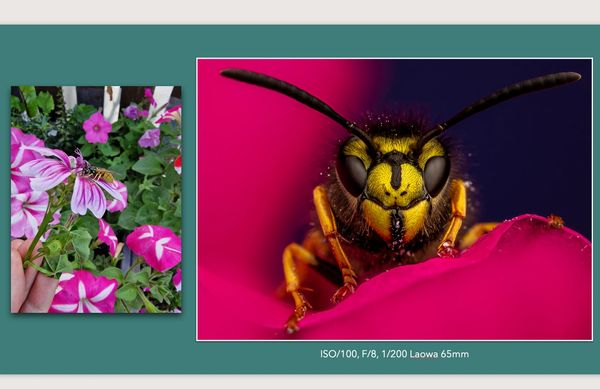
x=30 y=292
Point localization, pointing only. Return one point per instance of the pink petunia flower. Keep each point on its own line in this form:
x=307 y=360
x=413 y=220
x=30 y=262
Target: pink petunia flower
x=158 y=245
x=118 y=205
x=171 y=114
x=177 y=164
x=47 y=173
x=26 y=213
x=82 y=292
x=149 y=96
x=150 y=138
x=20 y=154
x=107 y=235
x=177 y=280
x=97 y=128
x=144 y=113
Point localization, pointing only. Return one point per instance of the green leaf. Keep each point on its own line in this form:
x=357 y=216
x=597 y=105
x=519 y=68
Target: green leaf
x=150 y=308
x=81 y=243
x=140 y=277
x=87 y=149
x=107 y=150
x=82 y=112
x=148 y=214
x=45 y=102
x=113 y=273
x=64 y=266
x=30 y=100
x=155 y=292
x=88 y=223
x=127 y=292
x=89 y=265
x=127 y=217
x=149 y=165
x=16 y=104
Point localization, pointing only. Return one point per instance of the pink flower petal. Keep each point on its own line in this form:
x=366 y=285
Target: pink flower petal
x=27 y=212
x=158 y=245
x=115 y=204
x=82 y=292
x=525 y=280
x=177 y=280
x=97 y=128
x=107 y=235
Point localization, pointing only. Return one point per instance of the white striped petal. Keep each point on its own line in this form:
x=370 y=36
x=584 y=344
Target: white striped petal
x=65 y=307
x=103 y=294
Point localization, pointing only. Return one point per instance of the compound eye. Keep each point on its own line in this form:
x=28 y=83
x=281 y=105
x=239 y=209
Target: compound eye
x=352 y=173
x=437 y=170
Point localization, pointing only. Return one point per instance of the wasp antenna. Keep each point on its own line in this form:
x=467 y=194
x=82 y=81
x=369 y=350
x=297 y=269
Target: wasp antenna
x=499 y=96
x=300 y=95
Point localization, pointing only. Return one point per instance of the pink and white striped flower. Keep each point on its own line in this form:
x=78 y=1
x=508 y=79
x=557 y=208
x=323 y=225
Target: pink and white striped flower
x=107 y=235
x=26 y=213
x=177 y=280
x=171 y=114
x=158 y=245
x=47 y=173
x=118 y=205
x=20 y=154
x=82 y=292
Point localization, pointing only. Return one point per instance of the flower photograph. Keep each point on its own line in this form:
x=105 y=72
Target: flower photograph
x=394 y=199
x=95 y=199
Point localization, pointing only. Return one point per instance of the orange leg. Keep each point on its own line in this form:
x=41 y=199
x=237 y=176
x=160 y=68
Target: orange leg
x=474 y=233
x=293 y=254
x=459 y=212
x=327 y=221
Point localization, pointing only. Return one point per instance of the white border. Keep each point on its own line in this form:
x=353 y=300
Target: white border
x=396 y=340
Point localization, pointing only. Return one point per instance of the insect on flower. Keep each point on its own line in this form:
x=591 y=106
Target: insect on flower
x=396 y=196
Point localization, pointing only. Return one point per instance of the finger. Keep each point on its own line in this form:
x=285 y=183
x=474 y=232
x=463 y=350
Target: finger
x=24 y=247
x=41 y=295
x=17 y=282
x=30 y=272
x=14 y=244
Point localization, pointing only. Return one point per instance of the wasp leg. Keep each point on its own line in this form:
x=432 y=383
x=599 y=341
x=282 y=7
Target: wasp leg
x=292 y=254
x=474 y=233
x=327 y=221
x=459 y=212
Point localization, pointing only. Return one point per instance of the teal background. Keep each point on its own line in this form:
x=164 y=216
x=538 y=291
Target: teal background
x=165 y=55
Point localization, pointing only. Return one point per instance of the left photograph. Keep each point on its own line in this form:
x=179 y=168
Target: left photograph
x=95 y=199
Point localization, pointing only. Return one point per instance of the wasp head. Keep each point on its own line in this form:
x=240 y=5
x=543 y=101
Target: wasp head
x=396 y=186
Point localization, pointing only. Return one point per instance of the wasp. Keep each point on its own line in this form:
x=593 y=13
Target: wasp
x=97 y=173
x=396 y=197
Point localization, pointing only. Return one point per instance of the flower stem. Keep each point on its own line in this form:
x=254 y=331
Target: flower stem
x=41 y=231
x=137 y=262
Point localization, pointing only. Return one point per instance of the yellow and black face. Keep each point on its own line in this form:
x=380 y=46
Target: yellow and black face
x=397 y=189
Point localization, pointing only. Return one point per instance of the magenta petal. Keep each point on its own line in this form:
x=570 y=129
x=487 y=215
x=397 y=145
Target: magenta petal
x=115 y=204
x=27 y=211
x=107 y=235
x=82 y=292
x=177 y=280
x=524 y=280
x=158 y=245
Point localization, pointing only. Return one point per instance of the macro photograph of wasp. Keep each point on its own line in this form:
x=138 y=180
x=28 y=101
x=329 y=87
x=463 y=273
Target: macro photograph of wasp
x=400 y=190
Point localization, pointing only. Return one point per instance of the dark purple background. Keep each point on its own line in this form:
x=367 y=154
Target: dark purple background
x=531 y=154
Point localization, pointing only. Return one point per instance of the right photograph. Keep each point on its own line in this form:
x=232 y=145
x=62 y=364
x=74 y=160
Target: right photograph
x=394 y=199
